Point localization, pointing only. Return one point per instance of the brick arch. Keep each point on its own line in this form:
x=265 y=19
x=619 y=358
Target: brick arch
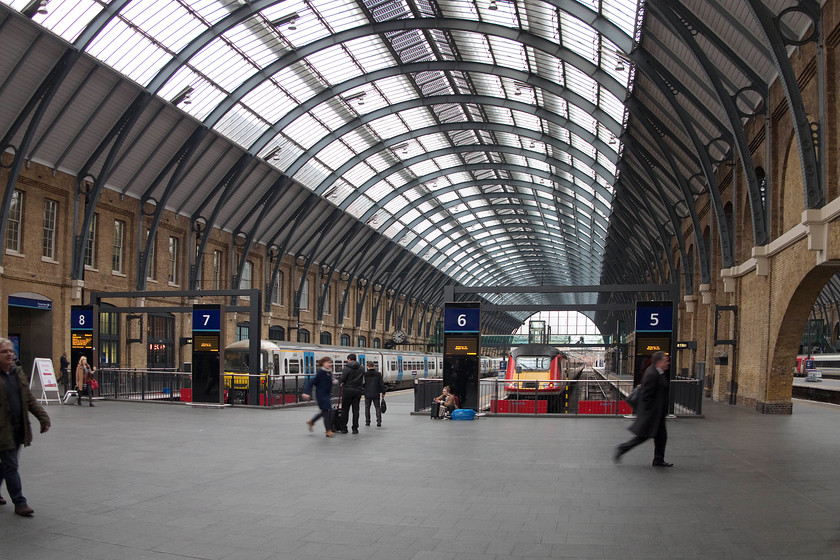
x=790 y=197
x=776 y=388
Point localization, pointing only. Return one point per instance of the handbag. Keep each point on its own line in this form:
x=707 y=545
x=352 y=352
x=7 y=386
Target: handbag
x=634 y=397
x=382 y=406
x=94 y=384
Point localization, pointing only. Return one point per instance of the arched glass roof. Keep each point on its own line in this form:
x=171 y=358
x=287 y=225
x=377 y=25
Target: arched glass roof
x=480 y=135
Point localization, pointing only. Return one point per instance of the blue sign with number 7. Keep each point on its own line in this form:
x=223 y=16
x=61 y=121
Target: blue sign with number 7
x=206 y=319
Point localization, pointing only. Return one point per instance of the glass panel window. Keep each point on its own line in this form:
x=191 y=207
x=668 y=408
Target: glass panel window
x=14 y=227
x=242 y=331
x=303 y=335
x=50 y=228
x=152 y=268
x=304 y=296
x=217 y=270
x=362 y=342
x=119 y=249
x=90 y=248
x=327 y=301
x=277 y=289
x=173 y=260
x=345 y=340
x=326 y=338
x=247 y=275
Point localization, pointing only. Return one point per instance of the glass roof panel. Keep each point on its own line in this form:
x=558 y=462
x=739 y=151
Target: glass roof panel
x=143 y=36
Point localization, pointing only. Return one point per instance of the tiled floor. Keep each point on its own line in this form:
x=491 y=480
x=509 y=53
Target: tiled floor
x=126 y=481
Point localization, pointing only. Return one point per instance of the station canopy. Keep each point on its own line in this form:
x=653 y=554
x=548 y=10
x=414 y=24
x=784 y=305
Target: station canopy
x=477 y=142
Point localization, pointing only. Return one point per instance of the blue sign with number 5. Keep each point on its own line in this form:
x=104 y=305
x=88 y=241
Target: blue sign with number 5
x=206 y=319
x=655 y=317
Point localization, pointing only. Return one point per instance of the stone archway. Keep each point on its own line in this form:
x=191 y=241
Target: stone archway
x=776 y=388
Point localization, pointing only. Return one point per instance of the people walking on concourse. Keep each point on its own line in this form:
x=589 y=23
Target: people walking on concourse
x=322 y=383
x=84 y=375
x=652 y=410
x=374 y=390
x=352 y=381
x=16 y=401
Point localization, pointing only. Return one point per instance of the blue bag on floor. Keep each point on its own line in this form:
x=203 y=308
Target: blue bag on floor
x=463 y=414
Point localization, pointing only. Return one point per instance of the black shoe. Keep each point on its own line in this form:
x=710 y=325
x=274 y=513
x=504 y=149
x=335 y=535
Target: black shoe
x=661 y=463
x=355 y=430
x=617 y=455
x=91 y=404
x=379 y=424
x=344 y=431
x=367 y=423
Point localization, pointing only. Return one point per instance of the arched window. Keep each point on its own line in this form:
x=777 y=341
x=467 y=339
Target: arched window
x=276 y=333
x=345 y=340
x=362 y=342
x=326 y=338
x=243 y=331
x=303 y=335
x=247 y=275
x=377 y=343
x=304 y=296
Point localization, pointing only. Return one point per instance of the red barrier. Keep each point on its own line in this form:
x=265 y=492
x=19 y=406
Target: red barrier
x=603 y=407
x=507 y=406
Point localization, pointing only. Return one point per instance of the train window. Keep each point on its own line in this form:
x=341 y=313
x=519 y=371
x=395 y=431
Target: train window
x=294 y=367
x=393 y=365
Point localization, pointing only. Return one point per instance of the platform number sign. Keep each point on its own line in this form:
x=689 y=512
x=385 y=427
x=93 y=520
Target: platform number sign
x=81 y=318
x=206 y=319
x=462 y=319
x=654 y=316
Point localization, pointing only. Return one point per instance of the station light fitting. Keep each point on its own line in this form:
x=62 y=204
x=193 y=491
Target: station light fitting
x=357 y=97
x=273 y=154
x=493 y=5
x=290 y=19
x=42 y=7
x=183 y=96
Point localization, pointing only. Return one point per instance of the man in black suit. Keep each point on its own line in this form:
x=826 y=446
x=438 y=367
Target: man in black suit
x=653 y=407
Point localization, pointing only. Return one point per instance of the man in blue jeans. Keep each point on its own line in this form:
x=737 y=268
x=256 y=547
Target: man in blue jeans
x=16 y=401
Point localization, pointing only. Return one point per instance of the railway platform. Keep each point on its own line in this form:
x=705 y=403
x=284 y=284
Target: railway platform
x=167 y=482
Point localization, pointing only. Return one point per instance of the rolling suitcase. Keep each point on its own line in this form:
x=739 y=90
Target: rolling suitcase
x=338 y=420
x=70 y=395
x=436 y=410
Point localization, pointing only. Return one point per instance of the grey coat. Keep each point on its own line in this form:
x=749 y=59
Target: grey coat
x=653 y=403
x=28 y=404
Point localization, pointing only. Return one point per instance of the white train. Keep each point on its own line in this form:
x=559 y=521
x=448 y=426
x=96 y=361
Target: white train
x=284 y=366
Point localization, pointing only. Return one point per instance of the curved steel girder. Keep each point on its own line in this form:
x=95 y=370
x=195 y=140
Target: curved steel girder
x=267 y=201
x=435 y=66
x=115 y=138
x=544 y=237
x=226 y=185
x=437 y=24
x=351 y=126
x=645 y=202
x=727 y=252
x=705 y=275
x=330 y=180
x=33 y=112
x=638 y=182
x=733 y=115
x=814 y=189
x=555 y=163
x=323 y=229
x=469 y=168
x=598 y=219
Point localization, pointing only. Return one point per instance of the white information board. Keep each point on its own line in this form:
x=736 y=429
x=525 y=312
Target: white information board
x=43 y=378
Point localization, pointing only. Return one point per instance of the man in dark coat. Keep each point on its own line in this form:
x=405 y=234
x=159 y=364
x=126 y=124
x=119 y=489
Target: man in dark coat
x=352 y=380
x=653 y=407
x=16 y=401
x=374 y=390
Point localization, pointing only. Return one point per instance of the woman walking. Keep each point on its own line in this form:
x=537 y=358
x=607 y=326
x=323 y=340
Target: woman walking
x=322 y=383
x=84 y=375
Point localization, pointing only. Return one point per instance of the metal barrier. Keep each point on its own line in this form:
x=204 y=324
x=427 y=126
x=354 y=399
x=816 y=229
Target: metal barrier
x=135 y=384
x=143 y=384
x=582 y=397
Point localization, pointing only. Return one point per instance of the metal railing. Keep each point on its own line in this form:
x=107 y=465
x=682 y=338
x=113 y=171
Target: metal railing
x=581 y=397
x=134 y=384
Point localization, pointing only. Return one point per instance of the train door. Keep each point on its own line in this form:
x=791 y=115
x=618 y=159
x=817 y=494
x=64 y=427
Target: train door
x=309 y=364
x=361 y=358
x=399 y=368
x=425 y=367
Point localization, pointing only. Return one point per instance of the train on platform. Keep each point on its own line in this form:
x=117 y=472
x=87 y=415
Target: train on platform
x=541 y=372
x=827 y=364
x=285 y=366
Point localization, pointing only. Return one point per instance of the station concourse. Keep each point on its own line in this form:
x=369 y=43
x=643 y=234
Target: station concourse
x=168 y=482
x=351 y=166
